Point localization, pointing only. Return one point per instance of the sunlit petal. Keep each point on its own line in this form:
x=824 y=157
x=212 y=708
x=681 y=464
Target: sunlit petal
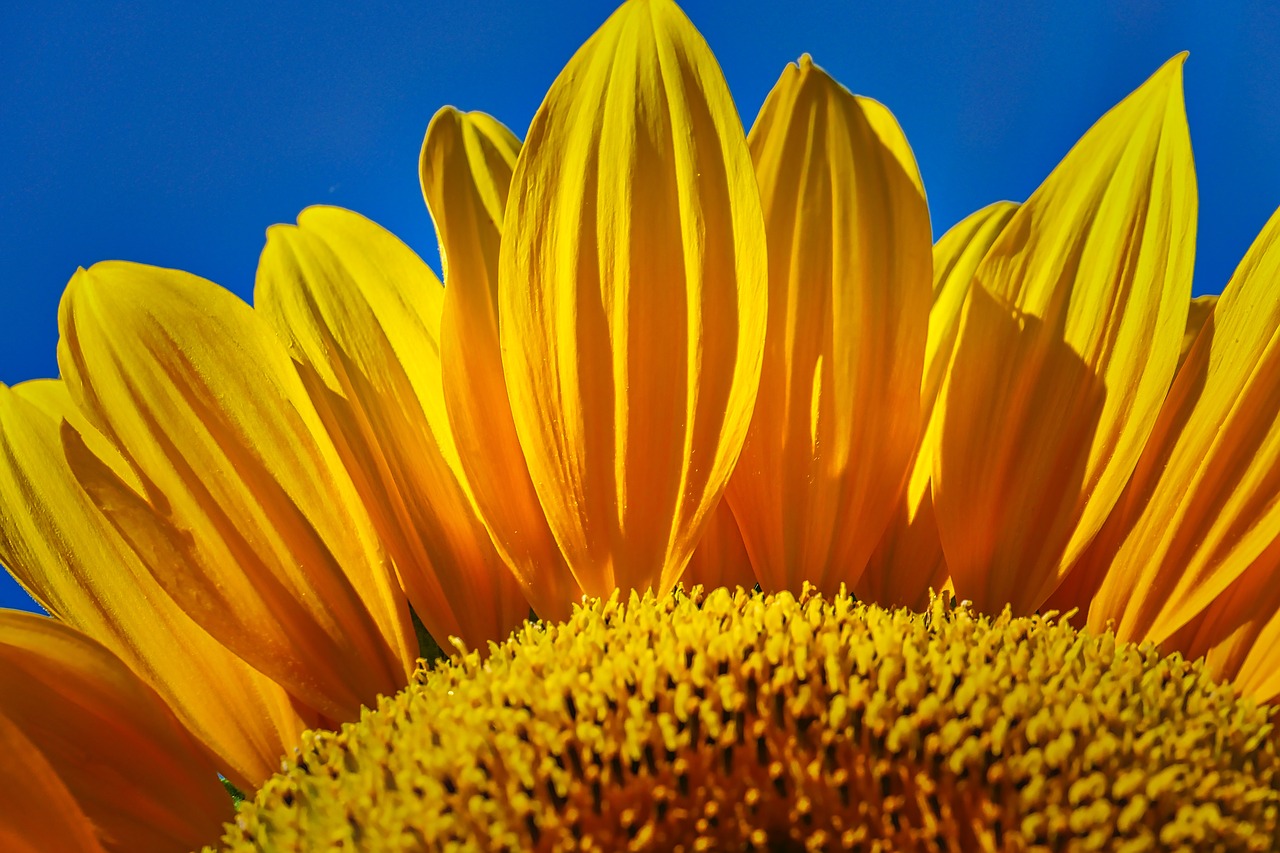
x=849 y=270
x=1202 y=515
x=909 y=560
x=632 y=298
x=1067 y=344
x=466 y=165
x=246 y=517
x=57 y=543
x=360 y=313
x=1238 y=634
x=1077 y=589
x=133 y=769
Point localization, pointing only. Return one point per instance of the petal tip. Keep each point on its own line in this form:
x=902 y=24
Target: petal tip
x=280 y=230
x=1170 y=73
x=316 y=215
x=446 y=116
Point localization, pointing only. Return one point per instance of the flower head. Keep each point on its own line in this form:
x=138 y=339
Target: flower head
x=732 y=721
x=667 y=349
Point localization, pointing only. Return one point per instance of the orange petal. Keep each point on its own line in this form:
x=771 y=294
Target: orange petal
x=849 y=270
x=1066 y=348
x=908 y=561
x=467 y=160
x=246 y=517
x=37 y=812
x=721 y=556
x=138 y=775
x=360 y=314
x=56 y=543
x=632 y=298
x=1202 y=510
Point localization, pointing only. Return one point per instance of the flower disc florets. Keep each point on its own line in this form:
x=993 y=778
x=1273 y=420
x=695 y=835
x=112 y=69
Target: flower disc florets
x=731 y=721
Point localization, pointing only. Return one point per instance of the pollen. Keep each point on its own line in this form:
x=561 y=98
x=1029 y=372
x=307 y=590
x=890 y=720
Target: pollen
x=740 y=721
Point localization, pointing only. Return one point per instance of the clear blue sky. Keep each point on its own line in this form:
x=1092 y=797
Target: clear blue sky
x=175 y=133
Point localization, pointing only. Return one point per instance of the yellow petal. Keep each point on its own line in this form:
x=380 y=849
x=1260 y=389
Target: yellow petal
x=908 y=561
x=134 y=770
x=37 y=812
x=466 y=166
x=246 y=517
x=632 y=298
x=721 y=556
x=1066 y=348
x=956 y=258
x=1238 y=634
x=849 y=279
x=1202 y=510
x=56 y=543
x=1077 y=590
x=360 y=314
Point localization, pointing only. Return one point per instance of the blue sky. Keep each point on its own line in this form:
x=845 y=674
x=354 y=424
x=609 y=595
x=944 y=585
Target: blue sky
x=174 y=134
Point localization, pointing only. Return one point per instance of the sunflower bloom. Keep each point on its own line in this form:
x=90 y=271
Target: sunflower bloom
x=664 y=350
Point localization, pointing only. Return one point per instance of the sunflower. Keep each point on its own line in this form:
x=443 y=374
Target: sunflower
x=667 y=351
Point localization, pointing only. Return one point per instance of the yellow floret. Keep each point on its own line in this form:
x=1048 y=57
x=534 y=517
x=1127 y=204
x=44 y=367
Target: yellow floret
x=739 y=721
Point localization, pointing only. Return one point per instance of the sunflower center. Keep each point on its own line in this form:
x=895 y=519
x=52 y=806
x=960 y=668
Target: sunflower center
x=732 y=720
